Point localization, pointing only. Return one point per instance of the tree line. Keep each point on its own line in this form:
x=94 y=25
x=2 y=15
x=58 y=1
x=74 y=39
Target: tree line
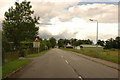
x=73 y=42
x=110 y=43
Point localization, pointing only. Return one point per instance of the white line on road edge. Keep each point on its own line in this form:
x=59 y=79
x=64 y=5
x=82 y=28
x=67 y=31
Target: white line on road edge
x=62 y=56
x=80 y=77
x=66 y=61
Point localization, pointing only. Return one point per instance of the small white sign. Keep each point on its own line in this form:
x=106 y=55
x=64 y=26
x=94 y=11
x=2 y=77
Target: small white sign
x=36 y=43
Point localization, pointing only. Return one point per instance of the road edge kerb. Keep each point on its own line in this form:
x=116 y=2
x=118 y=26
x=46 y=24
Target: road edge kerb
x=7 y=76
x=94 y=60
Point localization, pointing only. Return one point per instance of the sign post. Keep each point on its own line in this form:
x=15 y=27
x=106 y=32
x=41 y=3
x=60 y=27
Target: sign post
x=36 y=43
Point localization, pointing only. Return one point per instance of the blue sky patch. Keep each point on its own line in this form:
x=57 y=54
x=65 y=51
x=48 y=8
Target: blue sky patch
x=85 y=3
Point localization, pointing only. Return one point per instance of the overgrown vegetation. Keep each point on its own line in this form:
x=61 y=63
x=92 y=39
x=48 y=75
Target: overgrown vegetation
x=19 y=32
x=36 y=54
x=13 y=65
x=110 y=54
x=112 y=43
x=53 y=42
x=19 y=25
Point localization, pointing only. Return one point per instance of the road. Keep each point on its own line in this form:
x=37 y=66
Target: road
x=57 y=63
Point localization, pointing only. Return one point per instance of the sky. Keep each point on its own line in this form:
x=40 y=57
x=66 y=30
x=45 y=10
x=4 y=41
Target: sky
x=70 y=18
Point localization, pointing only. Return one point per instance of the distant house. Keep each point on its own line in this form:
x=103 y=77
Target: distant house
x=68 y=46
x=77 y=47
x=85 y=45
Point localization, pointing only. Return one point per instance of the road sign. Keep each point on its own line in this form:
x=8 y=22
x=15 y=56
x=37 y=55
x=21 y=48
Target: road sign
x=36 y=43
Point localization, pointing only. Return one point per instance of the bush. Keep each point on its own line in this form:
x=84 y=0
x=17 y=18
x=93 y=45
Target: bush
x=21 y=53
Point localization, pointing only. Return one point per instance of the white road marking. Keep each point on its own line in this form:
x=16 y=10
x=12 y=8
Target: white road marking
x=66 y=61
x=80 y=77
x=62 y=56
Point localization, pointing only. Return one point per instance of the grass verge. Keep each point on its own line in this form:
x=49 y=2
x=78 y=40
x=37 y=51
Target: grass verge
x=109 y=55
x=36 y=54
x=12 y=66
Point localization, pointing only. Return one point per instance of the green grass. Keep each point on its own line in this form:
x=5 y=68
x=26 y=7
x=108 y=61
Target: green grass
x=13 y=65
x=36 y=54
x=10 y=56
x=110 y=55
x=0 y=71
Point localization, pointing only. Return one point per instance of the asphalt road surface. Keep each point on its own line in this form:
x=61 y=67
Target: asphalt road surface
x=57 y=63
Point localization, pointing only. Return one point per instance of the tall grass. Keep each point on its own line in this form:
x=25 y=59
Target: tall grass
x=36 y=54
x=110 y=54
x=12 y=66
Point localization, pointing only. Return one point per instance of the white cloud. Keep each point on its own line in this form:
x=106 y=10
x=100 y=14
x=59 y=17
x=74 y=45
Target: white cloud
x=82 y=29
x=105 y=13
x=66 y=19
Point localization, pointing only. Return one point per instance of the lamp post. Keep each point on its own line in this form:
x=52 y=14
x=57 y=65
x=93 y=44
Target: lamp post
x=96 y=32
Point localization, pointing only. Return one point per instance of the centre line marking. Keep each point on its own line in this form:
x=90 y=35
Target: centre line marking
x=80 y=77
x=66 y=61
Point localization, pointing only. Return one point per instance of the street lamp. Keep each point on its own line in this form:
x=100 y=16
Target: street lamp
x=96 y=32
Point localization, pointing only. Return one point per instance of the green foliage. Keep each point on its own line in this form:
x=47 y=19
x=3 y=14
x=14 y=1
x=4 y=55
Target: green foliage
x=53 y=42
x=61 y=43
x=112 y=43
x=48 y=44
x=98 y=53
x=101 y=43
x=73 y=42
x=76 y=43
x=66 y=41
x=36 y=54
x=42 y=46
x=18 y=24
x=12 y=66
x=10 y=56
x=22 y=53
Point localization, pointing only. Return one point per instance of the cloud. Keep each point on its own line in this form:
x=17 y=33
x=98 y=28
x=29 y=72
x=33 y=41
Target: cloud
x=104 y=13
x=80 y=29
x=67 y=19
x=50 y=9
x=64 y=35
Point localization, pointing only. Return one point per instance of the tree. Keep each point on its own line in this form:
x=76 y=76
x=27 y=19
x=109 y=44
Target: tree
x=117 y=42
x=66 y=41
x=48 y=44
x=53 y=42
x=87 y=41
x=18 y=24
x=111 y=43
x=101 y=43
x=80 y=42
x=75 y=43
x=72 y=41
x=60 y=43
